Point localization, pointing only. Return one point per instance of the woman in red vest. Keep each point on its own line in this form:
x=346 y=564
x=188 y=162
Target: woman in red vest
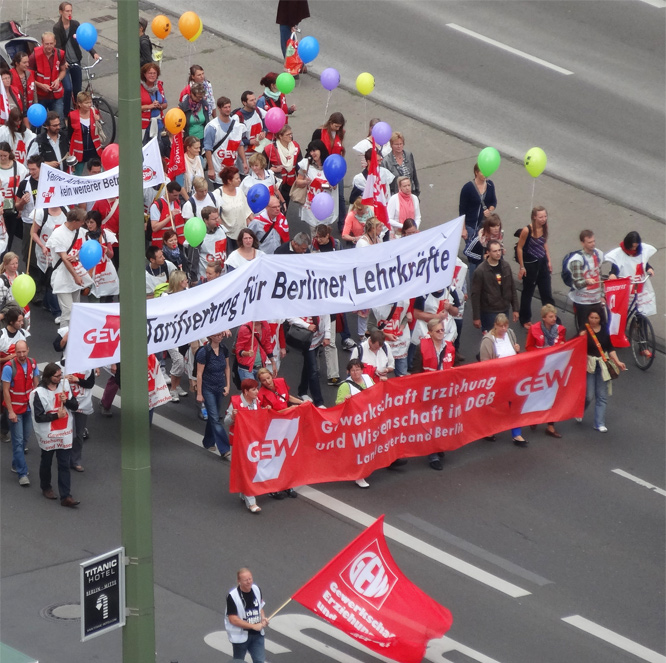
x=153 y=102
x=84 y=143
x=333 y=135
x=23 y=81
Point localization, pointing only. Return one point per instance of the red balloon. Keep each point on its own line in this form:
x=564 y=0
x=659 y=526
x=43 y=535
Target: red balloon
x=110 y=156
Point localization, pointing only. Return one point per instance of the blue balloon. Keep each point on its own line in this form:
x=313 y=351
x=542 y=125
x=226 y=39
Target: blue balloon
x=308 y=49
x=90 y=253
x=258 y=197
x=86 y=36
x=36 y=115
x=335 y=168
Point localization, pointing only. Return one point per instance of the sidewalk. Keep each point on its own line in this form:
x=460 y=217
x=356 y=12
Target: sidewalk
x=442 y=171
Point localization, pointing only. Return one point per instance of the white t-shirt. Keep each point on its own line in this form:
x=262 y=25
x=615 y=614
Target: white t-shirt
x=64 y=240
x=318 y=184
x=51 y=222
x=235 y=259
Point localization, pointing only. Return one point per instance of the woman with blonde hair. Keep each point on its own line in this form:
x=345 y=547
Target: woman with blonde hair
x=401 y=163
x=403 y=205
x=84 y=143
x=355 y=222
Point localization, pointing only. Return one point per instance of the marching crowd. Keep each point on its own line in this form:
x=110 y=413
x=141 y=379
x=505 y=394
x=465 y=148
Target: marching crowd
x=226 y=152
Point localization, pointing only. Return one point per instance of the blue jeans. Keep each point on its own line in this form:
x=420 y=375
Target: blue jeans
x=285 y=33
x=597 y=390
x=64 y=477
x=20 y=432
x=56 y=105
x=310 y=376
x=214 y=433
x=254 y=644
x=244 y=374
x=72 y=86
x=401 y=366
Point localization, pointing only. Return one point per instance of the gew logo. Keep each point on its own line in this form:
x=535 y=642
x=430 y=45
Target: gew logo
x=541 y=389
x=370 y=576
x=281 y=437
x=105 y=340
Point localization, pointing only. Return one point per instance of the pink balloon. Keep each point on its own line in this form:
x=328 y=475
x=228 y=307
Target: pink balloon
x=322 y=206
x=275 y=119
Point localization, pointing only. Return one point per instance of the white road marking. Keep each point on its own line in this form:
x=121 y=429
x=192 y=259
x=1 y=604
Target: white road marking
x=510 y=49
x=336 y=506
x=640 y=482
x=614 y=639
x=660 y=4
x=360 y=517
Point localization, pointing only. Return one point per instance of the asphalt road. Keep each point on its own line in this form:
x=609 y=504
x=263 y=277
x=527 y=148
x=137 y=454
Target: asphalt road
x=571 y=537
x=602 y=125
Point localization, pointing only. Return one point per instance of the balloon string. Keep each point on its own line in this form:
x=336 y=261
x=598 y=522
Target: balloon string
x=533 y=187
x=328 y=99
x=365 y=111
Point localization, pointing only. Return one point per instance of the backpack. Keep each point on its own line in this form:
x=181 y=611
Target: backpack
x=567 y=277
x=527 y=241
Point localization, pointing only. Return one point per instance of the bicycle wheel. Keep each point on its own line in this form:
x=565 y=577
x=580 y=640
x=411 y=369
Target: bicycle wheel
x=641 y=337
x=107 y=118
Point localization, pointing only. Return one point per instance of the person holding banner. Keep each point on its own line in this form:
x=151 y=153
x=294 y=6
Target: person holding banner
x=630 y=259
x=600 y=353
x=11 y=174
x=545 y=335
x=53 y=404
x=501 y=342
x=244 y=618
x=166 y=213
x=69 y=276
x=320 y=326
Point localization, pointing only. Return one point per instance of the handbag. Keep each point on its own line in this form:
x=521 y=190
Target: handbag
x=99 y=129
x=299 y=194
x=299 y=338
x=613 y=369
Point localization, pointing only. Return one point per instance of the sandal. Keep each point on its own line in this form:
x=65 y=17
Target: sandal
x=254 y=508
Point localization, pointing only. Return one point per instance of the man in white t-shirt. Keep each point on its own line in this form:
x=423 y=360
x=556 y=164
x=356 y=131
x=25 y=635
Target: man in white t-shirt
x=213 y=248
x=222 y=141
x=69 y=276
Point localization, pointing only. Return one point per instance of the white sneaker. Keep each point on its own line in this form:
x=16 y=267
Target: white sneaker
x=362 y=483
x=601 y=429
x=579 y=420
x=24 y=481
x=174 y=397
x=167 y=377
x=57 y=320
x=181 y=392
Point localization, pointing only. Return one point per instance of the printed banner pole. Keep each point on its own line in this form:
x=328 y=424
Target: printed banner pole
x=284 y=605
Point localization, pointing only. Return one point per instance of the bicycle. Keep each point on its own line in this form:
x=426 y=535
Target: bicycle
x=102 y=106
x=639 y=332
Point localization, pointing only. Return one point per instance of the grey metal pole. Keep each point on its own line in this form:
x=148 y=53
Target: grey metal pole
x=137 y=536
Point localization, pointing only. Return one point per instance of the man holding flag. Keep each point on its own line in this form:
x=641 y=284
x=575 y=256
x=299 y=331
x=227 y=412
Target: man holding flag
x=374 y=194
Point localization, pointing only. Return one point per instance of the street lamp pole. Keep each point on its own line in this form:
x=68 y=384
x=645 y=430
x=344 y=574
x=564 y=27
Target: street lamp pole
x=137 y=535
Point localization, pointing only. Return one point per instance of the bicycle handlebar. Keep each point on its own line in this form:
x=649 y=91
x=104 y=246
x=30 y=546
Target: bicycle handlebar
x=94 y=64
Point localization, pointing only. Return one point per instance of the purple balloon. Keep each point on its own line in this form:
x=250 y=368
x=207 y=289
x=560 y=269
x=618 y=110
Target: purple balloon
x=382 y=132
x=322 y=206
x=330 y=78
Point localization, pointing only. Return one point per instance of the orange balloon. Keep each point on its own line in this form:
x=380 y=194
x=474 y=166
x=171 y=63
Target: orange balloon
x=175 y=121
x=198 y=33
x=188 y=24
x=161 y=26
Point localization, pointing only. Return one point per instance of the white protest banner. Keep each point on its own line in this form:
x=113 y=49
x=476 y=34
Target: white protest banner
x=57 y=188
x=275 y=287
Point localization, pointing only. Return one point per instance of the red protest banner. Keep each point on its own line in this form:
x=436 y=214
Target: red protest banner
x=618 y=292
x=177 y=156
x=410 y=416
x=362 y=592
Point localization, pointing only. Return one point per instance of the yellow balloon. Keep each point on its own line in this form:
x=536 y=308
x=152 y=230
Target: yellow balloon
x=535 y=161
x=23 y=289
x=189 y=24
x=365 y=83
x=199 y=31
x=175 y=121
x=161 y=26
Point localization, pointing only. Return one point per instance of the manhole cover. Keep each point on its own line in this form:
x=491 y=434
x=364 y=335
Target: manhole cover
x=62 y=612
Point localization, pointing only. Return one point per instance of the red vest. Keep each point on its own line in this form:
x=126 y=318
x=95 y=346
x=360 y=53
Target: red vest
x=278 y=399
x=430 y=358
x=46 y=73
x=238 y=404
x=147 y=99
x=76 y=143
x=23 y=385
x=336 y=147
x=178 y=221
x=273 y=156
x=24 y=102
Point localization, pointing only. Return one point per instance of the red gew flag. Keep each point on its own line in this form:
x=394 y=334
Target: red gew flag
x=618 y=292
x=373 y=194
x=177 y=156
x=363 y=592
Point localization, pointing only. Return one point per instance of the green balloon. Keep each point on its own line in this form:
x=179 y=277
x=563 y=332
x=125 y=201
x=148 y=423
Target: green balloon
x=285 y=82
x=535 y=161
x=23 y=289
x=195 y=231
x=488 y=161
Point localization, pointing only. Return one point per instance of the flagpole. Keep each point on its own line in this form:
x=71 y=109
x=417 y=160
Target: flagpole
x=284 y=605
x=34 y=216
